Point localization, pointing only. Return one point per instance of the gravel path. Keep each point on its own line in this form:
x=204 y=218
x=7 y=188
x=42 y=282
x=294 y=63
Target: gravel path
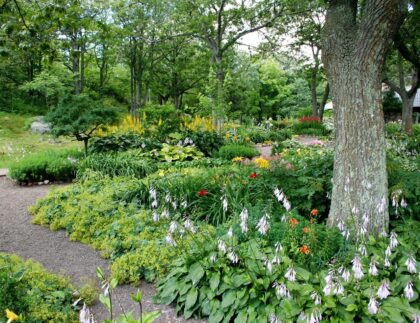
x=59 y=255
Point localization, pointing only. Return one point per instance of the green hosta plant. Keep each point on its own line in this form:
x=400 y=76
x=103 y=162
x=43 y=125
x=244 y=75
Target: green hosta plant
x=171 y=153
x=235 y=280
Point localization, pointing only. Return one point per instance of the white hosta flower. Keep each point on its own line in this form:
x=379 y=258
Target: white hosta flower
x=224 y=203
x=341 y=226
x=387 y=263
x=221 y=245
x=416 y=318
x=316 y=317
x=290 y=274
x=346 y=275
x=268 y=265
x=408 y=291
x=274 y=318
x=383 y=291
x=189 y=226
x=233 y=257
x=362 y=250
x=411 y=264
x=381 y=205
x=155 y=216
x=287 y=205
x=263 y=225
x=316 y=298
x=165 y=213
x=174 y=205
x=213 y=258
x=373 y=306
x=244 y=220
x=302 y=316
x=339 y=289
x=357 y=268
x=393 y=242
x=172 y=227
x=105 y=287
x=279 y=247
x=281 y=290
x=276 y=260
x=153 y=193
x=388 y=251
x=278 y=194
x=184 y=204
x=329 y=284
x=230 y=232
x=168 y=198
x=143 y=145
x=403 y=203
x=354 y=210
x=170 y=240
x=154 y=204
x=85 y=316
x=372 y=268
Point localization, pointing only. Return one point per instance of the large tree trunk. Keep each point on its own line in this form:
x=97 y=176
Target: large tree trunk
x=360 y=180
x=354 y=54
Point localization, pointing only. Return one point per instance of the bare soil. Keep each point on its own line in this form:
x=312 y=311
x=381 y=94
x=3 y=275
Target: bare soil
x=57 y=254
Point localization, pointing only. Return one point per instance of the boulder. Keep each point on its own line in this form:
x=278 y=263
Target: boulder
x=40 y=126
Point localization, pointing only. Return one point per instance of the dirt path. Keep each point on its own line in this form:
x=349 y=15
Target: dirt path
x=57 y=253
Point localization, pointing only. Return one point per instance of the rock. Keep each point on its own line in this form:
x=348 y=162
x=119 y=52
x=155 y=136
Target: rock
x=40 y=183
x=46 y=182
x=40 y=126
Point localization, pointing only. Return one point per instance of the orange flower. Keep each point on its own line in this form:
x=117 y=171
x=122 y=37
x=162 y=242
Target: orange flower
x=304 y=249
x=314 y=212
x=306 y=230
x=293 y=221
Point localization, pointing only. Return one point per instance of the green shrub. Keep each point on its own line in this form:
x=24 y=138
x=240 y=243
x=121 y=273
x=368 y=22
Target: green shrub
x=50 y=165
x=166 y=114
x=129 y=163
x=309 y=126
x=29 y=290
x=235 y=150
x=207 y=142
x=392 y=129
x=122 y=142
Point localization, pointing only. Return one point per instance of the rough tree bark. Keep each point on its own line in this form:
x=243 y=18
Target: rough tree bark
x=355 y=43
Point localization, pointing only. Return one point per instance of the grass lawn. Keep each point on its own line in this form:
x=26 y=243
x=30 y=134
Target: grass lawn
x=16 y=139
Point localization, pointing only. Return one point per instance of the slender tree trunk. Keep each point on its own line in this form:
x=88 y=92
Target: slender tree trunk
x=314 y=97
x=407 y=113
x=355 y=45
x=324 y=101
x=82 y=67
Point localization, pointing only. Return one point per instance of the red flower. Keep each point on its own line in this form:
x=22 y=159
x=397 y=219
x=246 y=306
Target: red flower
x=314 y=212
x=202 y=192
x=253 y=175
x=293 y=222
x=306 y=230
x=304 y=249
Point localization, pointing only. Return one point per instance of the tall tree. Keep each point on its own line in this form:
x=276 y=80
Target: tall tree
x=220 y=24
x=356 y=38
x=403 y=72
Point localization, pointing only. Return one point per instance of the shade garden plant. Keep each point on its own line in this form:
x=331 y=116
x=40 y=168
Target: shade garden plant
x=244 y=243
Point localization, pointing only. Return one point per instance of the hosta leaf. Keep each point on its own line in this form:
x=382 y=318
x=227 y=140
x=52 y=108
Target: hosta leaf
x=214 y=281
x=191 y=298
x=228 y=298
x=196 y=272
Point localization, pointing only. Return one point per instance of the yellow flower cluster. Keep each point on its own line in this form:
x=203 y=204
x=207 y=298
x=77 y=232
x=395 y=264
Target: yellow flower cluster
x=262 y=162
x=11 y=316
x=129 y=124
x=197 y=123
x=237 y=159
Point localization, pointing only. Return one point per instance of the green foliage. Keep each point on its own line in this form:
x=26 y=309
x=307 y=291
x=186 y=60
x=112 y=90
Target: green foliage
x=208 y=283
x=235 y=150
x=208 y=142
x=50 y=165
x=170 y=153
x=29 y=290
x=128 y=163
x=79 y=116
x=167 y=114
x=309 y=127
x=104 y=213
x=122 y=142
